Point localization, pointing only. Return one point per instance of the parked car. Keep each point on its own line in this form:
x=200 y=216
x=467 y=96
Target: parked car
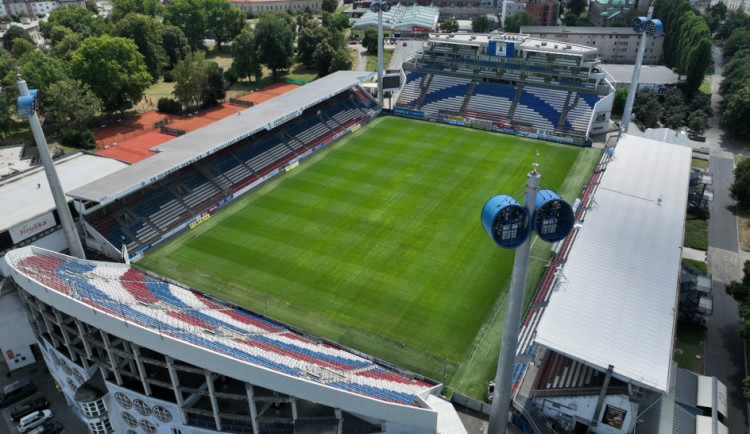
x=28 y=407
x=697 y=138
x=16 y=391
x=34 y=419
x=51 y=427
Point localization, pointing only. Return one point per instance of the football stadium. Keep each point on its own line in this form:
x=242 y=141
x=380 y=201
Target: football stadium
x=316 y=263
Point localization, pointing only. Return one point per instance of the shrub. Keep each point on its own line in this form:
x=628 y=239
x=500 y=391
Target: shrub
x=168 y=105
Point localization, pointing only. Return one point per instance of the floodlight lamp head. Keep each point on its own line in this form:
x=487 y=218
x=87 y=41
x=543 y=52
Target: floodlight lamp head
x=639 y=24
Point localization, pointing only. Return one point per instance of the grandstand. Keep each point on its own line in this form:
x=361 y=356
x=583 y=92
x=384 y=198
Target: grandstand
x=508 y=83
x=207 y=363
x=196 y=173
x=595 y=347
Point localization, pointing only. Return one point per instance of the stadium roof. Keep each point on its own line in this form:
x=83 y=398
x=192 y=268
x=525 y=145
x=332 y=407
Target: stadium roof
x=399 y=17
x=522 y=41
x=551 y=30
x=615 y=303
x=650 y=74
x=191 y=147
x=28 y=195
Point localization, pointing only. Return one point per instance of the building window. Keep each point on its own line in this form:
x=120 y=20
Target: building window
x=162 y=413
x=93 y=409
x=147 y=426
x=141 y=407
x=77 y=375
x=123 y=400
x=72 y=384
x=129 y=419
x=102 y=427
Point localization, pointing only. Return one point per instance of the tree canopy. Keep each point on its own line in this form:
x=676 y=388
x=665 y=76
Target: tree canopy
x=120 y=8
x=245 y=56
x=198 y=82
x=190 y=16
x=370 y=40
x=13 y=33
x=514 y=23
x=481 y=24
x=79 y=20
x=330 y=5
x=450 y=26
x=113 y=68
x=275 y=42
x=145 y=31
x=175 y=44
x=223 y=21
x=71 y=103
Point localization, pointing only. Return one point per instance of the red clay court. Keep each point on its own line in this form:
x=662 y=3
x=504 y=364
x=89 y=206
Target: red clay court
x=131 y=139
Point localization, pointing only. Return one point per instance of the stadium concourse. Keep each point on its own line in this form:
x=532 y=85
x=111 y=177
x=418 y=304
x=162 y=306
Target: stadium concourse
x=596 y=345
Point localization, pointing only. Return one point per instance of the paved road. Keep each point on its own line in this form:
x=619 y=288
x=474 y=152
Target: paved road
x=725 y=356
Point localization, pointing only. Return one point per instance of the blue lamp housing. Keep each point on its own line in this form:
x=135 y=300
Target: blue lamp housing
x=654 y=28
x=378 y=5
x=27 y=105
x=639 y=24
x=506 y=221
x=553 y=217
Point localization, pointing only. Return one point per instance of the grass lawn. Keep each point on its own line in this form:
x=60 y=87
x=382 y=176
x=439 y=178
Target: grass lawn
x=696 y=231
x=743 y=225
x=700 y=163
x=376 y=244
x=699 y=267
x=688 y=345
x=705 y=87
x=372 y=59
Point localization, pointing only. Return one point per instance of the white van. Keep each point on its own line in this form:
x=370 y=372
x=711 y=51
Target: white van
x=34 y=419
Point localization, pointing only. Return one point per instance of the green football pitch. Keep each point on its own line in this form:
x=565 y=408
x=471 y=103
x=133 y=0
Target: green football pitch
x=376 y=242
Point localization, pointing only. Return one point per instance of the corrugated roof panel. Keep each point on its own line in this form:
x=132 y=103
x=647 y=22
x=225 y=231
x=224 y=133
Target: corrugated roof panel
x=616 y=302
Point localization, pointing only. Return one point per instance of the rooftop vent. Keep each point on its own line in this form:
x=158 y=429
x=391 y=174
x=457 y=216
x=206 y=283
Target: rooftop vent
x=544 y=44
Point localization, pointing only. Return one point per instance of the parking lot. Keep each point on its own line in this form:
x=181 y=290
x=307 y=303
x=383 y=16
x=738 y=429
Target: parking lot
x=46 y=387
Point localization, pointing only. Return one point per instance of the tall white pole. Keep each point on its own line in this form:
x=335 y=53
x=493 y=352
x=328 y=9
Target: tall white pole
x=66 y=219
x=380 y=55
x=508 y=347
x=636 y=77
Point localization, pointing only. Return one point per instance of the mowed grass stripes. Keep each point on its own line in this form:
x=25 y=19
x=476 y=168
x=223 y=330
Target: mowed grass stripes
x=381 y=234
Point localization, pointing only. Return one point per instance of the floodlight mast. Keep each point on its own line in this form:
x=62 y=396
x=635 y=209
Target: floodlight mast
x=66 y=219
x=508 y=347
x=625 y=123
x=380 y=55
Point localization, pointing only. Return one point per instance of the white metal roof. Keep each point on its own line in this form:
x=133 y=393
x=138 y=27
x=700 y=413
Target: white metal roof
x=28 y=195
x=184 y=150
x=616 y=300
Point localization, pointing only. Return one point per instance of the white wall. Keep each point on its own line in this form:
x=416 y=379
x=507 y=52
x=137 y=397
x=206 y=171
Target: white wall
x=16 y=336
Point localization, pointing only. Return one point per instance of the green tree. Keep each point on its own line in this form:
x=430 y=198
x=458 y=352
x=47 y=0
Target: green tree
x=7 y=111
x=481 y=24
x=190 y=16
x=737 y=112
x=647 y=108
x=275 y=42
x=40 y=70
x=570 y=19
x=175 y=44
x=71 y=103
x=701 y=102
x=245 y=56
x=307 y=41
x=323 y=57
x=330 y=5
x=449 y=26
x=120 y=8
x=79 y=20
x=198 y=82
x=12 y=34
x=370 y=41
x=145 y=31
x=718 y=10
x=700 y=58
x=618 y=106
x=739 y=39
x=736 y=73
x=577 y=6
x=334 y=22
x=223 y=21
x=514 y=23
x=697 y=121
x=91 y=6
x=113 y=68
x=21 y=46
x=342 y=60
